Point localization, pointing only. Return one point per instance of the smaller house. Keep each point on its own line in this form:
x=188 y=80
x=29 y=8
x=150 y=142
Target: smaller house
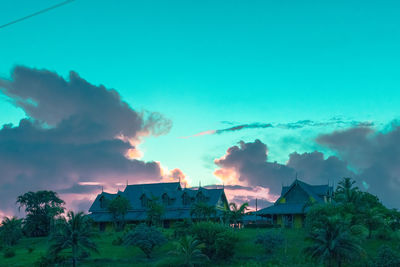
x=290 y=208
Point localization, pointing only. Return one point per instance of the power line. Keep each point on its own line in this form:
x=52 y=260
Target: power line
x=36 y=13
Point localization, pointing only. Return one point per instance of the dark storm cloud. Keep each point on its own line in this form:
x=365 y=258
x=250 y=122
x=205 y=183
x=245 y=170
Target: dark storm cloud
x=80 y=189
x=249 y=161
x=375 y=155
x=70 y=134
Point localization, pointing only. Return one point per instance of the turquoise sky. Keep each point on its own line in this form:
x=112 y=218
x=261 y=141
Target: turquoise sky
x=204 y=62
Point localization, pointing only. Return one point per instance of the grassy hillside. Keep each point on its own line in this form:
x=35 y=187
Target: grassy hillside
x=247 y=253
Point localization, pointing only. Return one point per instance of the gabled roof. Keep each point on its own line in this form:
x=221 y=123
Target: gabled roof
x=175 y=209
x=317 y=192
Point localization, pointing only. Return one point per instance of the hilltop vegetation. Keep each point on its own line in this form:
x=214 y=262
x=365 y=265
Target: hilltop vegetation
x=354 y=230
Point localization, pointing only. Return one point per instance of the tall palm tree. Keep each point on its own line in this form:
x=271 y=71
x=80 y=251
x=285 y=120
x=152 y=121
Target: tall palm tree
x=332 y=244
x=189 y=249
x=74 y=233
x=235 y=213
x=346 y=191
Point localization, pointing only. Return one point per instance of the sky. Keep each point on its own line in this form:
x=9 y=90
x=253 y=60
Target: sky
x=244 y=93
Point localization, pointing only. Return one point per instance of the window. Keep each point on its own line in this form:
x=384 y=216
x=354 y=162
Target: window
x=144 y=201
x=201 y=197
x=166 y=200
x=102 y=202
x=185 y=199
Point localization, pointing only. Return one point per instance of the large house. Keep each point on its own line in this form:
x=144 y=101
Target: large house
x=290 y=208
x=177 y=202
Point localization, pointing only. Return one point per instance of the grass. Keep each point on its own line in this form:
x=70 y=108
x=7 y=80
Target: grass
x=247 y=253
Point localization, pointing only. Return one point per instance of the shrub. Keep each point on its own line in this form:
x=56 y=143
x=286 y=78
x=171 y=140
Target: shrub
x=383 y=233
x=9 y=252
x=386 y=257
x=359 y=231
x=30 y=249
x=207 y=233
x=271 y=241
x=117 y=241
x=225 y=244
x=145 y=237
x=182 y=228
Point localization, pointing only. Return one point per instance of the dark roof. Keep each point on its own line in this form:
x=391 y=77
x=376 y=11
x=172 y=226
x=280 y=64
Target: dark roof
x=287 y=208
x=176 y=209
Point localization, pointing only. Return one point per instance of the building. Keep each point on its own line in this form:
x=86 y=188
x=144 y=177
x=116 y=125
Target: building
x=177 y=202
x=290 y=208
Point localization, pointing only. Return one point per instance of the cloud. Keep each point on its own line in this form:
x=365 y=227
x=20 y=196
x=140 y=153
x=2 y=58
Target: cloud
x=375 y=155
x=75 y=132
x=240 y=127
x=248 y=165
x=336 y=121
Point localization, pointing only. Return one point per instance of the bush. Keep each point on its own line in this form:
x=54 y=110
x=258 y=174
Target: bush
x=225 y=244
x=182 y=228
x=117 y=241
x=207 y=233
x=145 y=237
x=386 y=257
x=9 y=253
x=271 y=241
x=383 y=233
x=359 y=231
x=30 y=249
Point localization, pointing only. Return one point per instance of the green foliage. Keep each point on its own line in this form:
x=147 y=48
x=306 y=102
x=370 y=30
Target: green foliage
x=118 y=241
x=155 y=212
x=75 y=234
x=188 y=250
x=235 y=214
x=225 y=244
x=10 y=231
x=202 y=211
x=332 y=244
x=219 y=240
x=119 y=207
x=146 y=238
x=384 y=233
x=346 y=192
x=41 y=207
x=359 y=231
x=182 y=228
x=318 y=215
x=271 y=241
x=387 y=257
x=9 y=252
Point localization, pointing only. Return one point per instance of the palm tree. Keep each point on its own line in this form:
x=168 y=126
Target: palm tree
x=189 y=249
x=10 y=231
x=202 y=211
x=332 y=244
x=346 y=191
x=74 y=233
x=235 y=213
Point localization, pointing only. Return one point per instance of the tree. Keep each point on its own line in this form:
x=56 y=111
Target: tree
x=41 y=207
x=202 y=211
x=332 y=244
x=10 y=231
x=372 y=219
x=119 y=207
x=188 y=249
x=74 y=233
x=346 y=192
x=145 y=237
x=155 y=212
x=235 y=213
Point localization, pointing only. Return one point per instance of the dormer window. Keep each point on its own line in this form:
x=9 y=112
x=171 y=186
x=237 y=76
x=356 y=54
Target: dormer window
x=144 y=200
x=102 y=202
x=166 y=200
x=185 y=199
x=201 y=197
